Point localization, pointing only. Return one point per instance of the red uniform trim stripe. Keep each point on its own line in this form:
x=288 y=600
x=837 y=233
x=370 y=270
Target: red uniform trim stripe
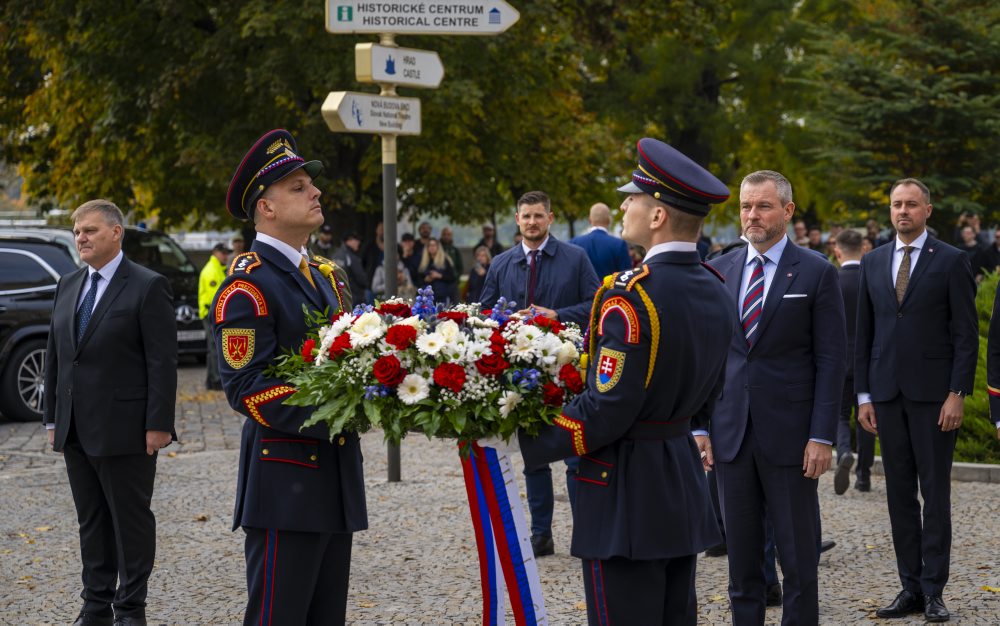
x=244 y=288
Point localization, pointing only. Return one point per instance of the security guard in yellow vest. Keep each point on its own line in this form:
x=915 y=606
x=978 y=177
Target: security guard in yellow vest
x=211 y=277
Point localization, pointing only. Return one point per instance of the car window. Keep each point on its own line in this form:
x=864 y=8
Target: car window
x=20 y=271
x=157 y=252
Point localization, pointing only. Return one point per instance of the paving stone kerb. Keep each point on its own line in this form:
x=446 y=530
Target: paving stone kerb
x=417 y=562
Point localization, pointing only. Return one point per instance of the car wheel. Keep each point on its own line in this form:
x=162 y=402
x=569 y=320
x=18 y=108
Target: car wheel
x=22 y=382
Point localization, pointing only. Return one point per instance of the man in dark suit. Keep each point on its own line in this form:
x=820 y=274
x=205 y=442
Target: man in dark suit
x=643 y=511
x=915 y=361
x=773 y=428
x=607 y=253
x=847 y=249
x=556 y=280
x=300 y=493
x=110 y=388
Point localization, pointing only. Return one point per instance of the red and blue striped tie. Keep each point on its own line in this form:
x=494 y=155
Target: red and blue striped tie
x=753 y=303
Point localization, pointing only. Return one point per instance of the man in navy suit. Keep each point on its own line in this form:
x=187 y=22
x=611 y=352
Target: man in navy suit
x=847 y=249
x=773 y=427
x=607 y=253
x=915 y=361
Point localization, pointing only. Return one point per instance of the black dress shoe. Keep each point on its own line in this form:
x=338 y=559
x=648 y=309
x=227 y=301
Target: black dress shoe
x=128 y=620
x=826 y=545
x=542 y=546
x=934 y=609
x=92 y=619
x=717 y=550
x=842 y=477
x=863 y=485
x=773 y=597
x=904 y=604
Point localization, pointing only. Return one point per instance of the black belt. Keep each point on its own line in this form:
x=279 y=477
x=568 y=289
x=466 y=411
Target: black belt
x=659 y=430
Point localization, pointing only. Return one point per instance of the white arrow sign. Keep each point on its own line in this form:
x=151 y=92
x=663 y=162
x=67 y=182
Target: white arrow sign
x=353 y=112
x=437 y=17
x=400 y=66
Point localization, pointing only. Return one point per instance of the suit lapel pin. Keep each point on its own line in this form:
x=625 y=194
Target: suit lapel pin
x=789 y=274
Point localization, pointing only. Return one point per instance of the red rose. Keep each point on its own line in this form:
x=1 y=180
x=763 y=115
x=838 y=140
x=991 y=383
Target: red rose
x=449 y=376
x=388 y=371
x=401 y=336
x=341 y=343
x=543 y=322
x=336 y=316
x=497 y=343
x=455 y=316
x=552 y=394
x=307 y=350
x=491 y=365
x=399 y=309
x=571 y=378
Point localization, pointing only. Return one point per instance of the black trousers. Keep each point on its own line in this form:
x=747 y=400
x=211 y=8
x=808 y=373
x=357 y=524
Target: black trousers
x=117 y=529
x=751 y=488
x=865 y=440
x=915 y=453
x=296 y=578
x=623 y=591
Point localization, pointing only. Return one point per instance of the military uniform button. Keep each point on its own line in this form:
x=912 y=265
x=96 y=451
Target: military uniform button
x=312 y=458
x=265 y=452
x=604 y=474
x=341 y=441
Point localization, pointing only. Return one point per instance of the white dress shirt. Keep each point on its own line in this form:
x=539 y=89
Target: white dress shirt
x=107 y=273
x=670 y=246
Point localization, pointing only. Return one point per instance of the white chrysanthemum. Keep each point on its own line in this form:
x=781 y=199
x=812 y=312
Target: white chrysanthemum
x=548 y=346
x=343 y=323
x=455 y=350
x=448 y=329
x=475 y=350
x=524 y=350
x=482 y=323
x=430 y=343
x=528 y=334
x=482 y=334
x=567 y=354
x=367 y=330
x=413 y=389
x=507 y=402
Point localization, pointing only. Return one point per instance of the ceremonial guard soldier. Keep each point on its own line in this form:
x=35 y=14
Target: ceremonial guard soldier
x=658 y=338
x=300 y=492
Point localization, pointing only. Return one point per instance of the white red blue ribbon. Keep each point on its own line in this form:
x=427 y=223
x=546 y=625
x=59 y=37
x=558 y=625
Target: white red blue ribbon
x=506 y=563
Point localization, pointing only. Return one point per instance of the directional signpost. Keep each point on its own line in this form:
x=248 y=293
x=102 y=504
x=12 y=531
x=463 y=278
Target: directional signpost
x=402 y=66
x=387 y=114
x=454 y=17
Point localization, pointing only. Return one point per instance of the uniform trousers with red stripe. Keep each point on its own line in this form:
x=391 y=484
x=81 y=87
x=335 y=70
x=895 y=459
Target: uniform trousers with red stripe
x=296 y=577
x=623 y=592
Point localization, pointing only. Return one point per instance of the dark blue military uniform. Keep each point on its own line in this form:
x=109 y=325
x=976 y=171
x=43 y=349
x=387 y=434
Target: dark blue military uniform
x=300 y=492
x=659 y=335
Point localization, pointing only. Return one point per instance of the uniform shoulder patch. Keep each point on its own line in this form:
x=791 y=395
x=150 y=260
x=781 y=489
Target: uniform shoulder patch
x=627 y=279
x=244 y=288
x=620 y=305
x=237 y=346
x=244 y=263
x=610 y=364
x=714 y=271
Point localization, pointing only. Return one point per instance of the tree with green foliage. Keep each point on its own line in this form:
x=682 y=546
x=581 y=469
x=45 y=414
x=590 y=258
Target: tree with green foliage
x=909 y=88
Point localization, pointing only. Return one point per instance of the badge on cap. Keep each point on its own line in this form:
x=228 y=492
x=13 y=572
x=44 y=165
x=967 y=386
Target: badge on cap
x=610 y=364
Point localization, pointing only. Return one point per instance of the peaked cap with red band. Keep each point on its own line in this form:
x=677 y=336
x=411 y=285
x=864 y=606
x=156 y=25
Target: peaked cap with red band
x=272 y=157
x=673 y=178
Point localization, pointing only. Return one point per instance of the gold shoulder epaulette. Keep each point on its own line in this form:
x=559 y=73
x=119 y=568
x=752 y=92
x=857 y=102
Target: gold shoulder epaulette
x=245 y=263
x=627 y=279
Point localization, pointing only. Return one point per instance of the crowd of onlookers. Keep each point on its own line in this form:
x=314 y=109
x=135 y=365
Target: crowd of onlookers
x=435 y=261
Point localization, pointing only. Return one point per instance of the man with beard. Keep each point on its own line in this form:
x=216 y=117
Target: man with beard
x=915 y=361
x=773 y=427
x=554 y=279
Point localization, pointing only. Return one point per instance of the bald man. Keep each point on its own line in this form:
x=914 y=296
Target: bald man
x=607 y=253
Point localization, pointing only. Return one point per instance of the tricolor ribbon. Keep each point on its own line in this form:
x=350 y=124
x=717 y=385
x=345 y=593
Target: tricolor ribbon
x=506 y=563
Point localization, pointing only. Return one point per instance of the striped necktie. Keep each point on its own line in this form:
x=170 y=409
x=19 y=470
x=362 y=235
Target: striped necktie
x=753 y=303
x=86 y=309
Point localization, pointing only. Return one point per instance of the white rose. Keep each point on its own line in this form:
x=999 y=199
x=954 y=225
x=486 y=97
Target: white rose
x=567 y=354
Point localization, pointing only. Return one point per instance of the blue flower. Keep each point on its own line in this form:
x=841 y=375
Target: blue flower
x=423 y=304
x=362 y=308
x=526 y=378
x=502 y=310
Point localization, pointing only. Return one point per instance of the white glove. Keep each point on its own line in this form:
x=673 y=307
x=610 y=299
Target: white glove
x=498 y=444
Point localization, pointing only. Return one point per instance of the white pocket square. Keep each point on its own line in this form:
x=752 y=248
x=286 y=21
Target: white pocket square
x=795 y=295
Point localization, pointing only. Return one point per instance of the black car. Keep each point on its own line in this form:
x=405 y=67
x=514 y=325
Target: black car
x=29 y=271
x=153 y=249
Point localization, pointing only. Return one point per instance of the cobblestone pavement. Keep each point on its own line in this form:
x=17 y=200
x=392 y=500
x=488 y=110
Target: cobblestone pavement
x=416 y=563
